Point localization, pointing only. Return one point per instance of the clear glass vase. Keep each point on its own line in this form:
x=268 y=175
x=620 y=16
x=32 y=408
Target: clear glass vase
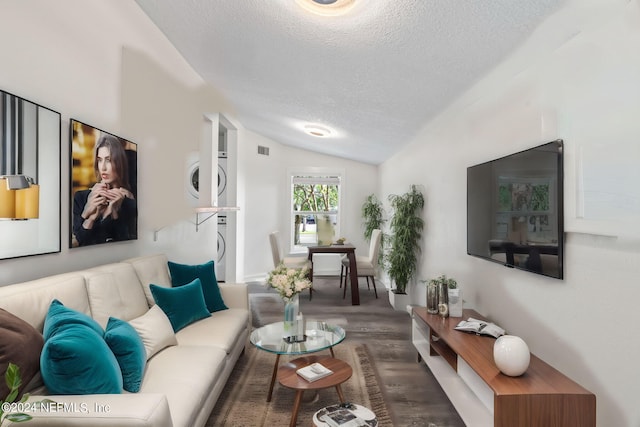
x=291 y=310
x=455 y=302
x=443 y=300
x=432 y=298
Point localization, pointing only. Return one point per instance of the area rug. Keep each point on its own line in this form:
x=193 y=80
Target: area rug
x=243 y=402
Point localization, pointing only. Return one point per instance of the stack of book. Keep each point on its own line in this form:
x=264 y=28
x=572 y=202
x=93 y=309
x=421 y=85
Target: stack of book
x=341 y=416
x=314 y=372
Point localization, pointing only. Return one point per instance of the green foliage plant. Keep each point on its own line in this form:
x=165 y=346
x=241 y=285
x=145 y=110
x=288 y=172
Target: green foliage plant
x=372 y=215
x=373 y=219
x=449 y=282
x=406 y=232
x=14 y=381
x=315 y=197
x=312 y=199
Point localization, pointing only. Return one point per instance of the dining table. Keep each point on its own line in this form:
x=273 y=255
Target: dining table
x=350 y=251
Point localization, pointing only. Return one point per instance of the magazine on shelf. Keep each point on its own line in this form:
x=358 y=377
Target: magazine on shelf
x=480 y=327
x=339 y=416
x=314 y=372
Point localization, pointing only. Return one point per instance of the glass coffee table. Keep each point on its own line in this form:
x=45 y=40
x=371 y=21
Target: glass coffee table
x=318 y=336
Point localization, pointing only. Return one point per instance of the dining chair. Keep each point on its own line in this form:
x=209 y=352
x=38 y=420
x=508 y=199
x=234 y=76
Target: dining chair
x=289 y=262
x=365 y=265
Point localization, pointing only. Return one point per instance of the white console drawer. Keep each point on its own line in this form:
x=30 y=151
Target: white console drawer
x=476 y=384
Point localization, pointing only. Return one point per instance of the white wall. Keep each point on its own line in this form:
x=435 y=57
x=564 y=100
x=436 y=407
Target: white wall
x=267 y=206
x=104 y=63
x=576 y=79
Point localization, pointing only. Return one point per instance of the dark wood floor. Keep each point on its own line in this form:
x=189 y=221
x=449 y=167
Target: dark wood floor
x=412 y=394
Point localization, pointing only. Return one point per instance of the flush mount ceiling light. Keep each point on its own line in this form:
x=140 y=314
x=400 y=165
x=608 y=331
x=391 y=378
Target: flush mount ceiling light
x=326 y=7
x=317 y=130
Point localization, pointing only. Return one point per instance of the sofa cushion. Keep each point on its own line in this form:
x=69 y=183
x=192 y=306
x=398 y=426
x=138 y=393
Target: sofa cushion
x=21 y=345
x=182 y=305
x=221 y=330
x=186 y=375
x=75 y=358
x=151 y=269
x=155 y=330
x=182 y=274
x=127 y=346
x=30 y=301
x=115 y=291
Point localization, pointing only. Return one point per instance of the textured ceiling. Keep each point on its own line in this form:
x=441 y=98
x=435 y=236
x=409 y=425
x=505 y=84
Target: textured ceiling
x=375 y=75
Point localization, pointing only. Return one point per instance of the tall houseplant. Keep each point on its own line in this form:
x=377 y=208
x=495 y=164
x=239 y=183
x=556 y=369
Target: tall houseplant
x=373 y=219
x=406 y=231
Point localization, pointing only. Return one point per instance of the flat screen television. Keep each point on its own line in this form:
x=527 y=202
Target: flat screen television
x=515 y=210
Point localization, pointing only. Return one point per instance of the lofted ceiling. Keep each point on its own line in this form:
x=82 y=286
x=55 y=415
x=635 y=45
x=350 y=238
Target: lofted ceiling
x=375 y=75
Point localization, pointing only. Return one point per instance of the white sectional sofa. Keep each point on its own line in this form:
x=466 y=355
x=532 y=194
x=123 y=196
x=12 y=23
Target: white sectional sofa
x=181 y=382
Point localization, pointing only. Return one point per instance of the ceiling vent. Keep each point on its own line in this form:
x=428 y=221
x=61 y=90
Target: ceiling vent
x=263 y=150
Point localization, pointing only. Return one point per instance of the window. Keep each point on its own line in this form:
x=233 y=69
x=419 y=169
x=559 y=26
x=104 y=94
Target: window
x=315 y=214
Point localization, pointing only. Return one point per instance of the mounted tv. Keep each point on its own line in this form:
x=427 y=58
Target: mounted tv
x=515 y=210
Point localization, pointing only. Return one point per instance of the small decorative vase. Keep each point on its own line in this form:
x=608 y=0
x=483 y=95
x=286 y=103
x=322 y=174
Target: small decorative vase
x=443 y=300
x=432 y=298
x=511 y=355
x=291 y=310
x=455 y=302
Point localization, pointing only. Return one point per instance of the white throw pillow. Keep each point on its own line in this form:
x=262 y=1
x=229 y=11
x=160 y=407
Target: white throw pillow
x=155 y=330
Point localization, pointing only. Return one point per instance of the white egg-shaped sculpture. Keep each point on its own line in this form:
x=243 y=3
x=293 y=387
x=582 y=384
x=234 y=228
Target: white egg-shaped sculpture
x=511 y=355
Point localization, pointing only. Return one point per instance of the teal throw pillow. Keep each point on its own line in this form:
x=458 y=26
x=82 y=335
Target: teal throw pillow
x=182 y=305
x=182 y=274
x=58 y=317
x=75 y=358
x=128 y=348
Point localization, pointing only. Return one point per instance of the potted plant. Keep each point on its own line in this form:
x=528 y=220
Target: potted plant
x=443 y=296
x=373 y=219
x=406 y=231
x=448 y=282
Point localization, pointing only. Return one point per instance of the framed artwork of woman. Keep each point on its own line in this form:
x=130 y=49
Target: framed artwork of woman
x=103 y=187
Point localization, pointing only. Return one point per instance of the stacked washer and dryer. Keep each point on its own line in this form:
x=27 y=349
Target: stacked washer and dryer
x=222 y=219
x=193 y=181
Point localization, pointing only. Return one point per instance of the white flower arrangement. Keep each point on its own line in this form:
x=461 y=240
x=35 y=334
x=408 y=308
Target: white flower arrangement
x=289 y=281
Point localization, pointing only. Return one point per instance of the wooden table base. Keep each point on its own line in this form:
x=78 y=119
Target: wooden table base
x=288 y=377
x=275 y=373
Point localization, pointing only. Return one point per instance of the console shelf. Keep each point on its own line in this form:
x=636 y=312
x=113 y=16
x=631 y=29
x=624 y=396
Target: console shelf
x=463 y=365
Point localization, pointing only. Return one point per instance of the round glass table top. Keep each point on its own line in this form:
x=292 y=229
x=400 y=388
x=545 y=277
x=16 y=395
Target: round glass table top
x=319 y=336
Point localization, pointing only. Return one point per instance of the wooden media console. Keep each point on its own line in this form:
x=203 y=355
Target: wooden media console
x=483 y=396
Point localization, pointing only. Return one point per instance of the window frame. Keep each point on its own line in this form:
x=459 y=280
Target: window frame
x=320 y=173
